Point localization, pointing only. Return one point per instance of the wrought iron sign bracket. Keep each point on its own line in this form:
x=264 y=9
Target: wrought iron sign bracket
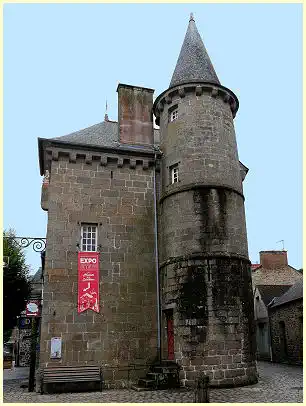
x=38 y=243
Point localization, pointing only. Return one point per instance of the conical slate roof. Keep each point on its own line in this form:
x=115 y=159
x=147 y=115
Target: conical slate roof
x=193 y=63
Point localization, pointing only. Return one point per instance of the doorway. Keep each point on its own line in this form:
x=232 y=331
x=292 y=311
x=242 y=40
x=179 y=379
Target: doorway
x=170 y=334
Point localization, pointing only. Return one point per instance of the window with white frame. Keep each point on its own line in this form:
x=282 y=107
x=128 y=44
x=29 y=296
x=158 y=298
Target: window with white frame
x=89 y=237
x=174 y=115
x=174 y=173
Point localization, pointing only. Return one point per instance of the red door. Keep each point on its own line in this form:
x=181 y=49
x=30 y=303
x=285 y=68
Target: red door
x=170 y=335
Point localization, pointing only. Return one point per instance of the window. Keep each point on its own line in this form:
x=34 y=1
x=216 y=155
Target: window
x=174 y=115
x=174 y=173
x=89 y=237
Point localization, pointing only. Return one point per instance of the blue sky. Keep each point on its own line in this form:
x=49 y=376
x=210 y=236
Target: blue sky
x=61 y=62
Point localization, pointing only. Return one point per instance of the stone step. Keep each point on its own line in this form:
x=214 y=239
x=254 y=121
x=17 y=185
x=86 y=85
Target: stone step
x=162 y=375
x=154 y=375
x=164 y=369
x=148 y=383
x=140 y=388
x=165 y=363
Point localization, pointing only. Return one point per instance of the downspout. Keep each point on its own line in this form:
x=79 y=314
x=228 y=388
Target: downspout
x=156 y=265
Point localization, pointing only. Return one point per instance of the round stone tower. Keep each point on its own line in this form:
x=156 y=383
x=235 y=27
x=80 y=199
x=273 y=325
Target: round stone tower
x=206 y=289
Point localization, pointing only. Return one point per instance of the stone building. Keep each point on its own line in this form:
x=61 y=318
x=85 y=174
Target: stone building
x=271 y=279
x=263 y=296
x=286 y=323
x=110 y=185
x=21 y=334
x=274 y=269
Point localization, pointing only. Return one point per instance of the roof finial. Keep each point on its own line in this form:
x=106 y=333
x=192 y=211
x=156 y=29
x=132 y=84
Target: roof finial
x=106 y=115
x=191 y=17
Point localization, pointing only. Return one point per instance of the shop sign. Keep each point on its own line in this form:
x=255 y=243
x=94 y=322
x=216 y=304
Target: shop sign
x=32 y=308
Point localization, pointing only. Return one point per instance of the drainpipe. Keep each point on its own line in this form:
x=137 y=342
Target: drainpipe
x=157 y=266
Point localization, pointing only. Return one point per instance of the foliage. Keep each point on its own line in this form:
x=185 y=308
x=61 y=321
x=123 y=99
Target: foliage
x=16 y=284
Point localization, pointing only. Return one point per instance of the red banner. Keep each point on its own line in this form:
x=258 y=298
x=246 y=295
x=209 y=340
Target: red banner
x=88 y=286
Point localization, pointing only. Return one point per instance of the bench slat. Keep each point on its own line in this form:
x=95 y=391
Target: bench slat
x=73 y=376
x=70 y=370
x=71 y=380
x=71 y=373
x=85 y=367
x=75 y=373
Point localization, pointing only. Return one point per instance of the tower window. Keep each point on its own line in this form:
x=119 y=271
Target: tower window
x=174 y=173
x=89 y=237
x=174 y=115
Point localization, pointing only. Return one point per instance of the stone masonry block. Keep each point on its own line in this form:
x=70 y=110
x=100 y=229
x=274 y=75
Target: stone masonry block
x=231 y=373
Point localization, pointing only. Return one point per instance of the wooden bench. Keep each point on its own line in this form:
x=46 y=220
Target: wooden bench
x=73 y=374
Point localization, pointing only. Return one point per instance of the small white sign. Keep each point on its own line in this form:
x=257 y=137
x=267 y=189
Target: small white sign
x=56 y=347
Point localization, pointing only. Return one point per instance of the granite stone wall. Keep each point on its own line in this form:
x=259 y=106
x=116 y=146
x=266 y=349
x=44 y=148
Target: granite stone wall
x=287 y=342
x=211 y=221
x=205 y=270
x=119 y=199
x=213 y=319
x=202 y=141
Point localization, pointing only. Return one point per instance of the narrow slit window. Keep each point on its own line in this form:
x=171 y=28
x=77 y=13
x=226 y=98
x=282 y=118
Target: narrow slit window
x=89 y=237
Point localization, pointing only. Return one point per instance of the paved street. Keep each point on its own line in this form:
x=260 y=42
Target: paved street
x=16 y=373
x=277 y=383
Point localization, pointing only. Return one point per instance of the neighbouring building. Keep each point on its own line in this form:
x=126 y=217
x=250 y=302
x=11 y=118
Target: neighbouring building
x=107 y=187
x=21 y=334
x=263 y=296
x=272 y=278
x=273 y=269
x=286 y=323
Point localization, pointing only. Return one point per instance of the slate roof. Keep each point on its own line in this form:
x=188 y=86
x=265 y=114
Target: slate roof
x=104 y=134
x=101 y=134
x=294 y=293
x=36 y=278
x=269 y=292
x=193 y=63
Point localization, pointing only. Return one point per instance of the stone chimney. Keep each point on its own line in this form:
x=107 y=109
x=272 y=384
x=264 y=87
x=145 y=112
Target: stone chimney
x=273 y=259
x=135 y=115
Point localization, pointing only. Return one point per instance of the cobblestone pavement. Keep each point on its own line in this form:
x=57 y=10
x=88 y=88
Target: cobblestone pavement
x=277 y=383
